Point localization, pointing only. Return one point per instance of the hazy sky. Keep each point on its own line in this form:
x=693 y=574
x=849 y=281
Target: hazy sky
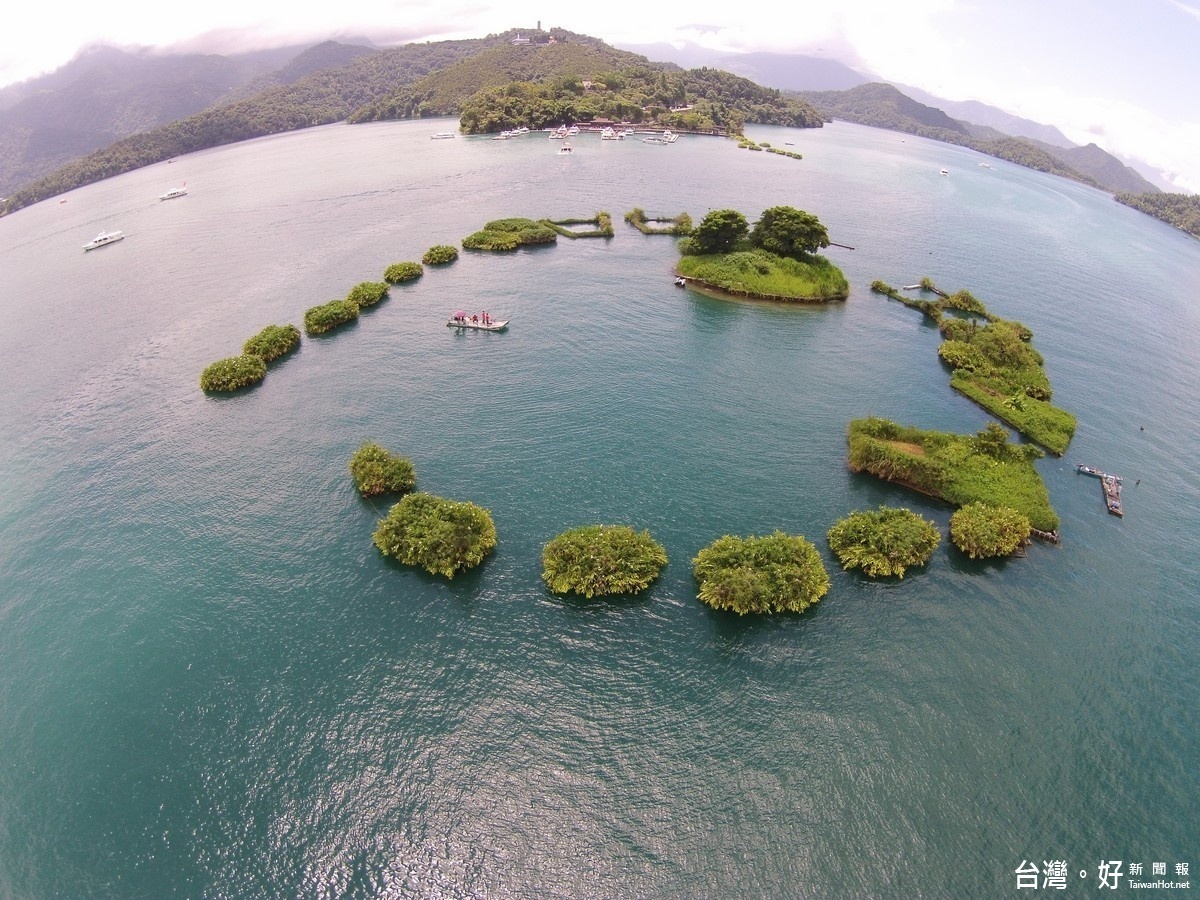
x=1122 y=73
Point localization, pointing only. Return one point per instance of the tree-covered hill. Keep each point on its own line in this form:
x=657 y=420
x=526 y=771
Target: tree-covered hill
x=1180 y=210
x=326 y=96
x=883 y=106
x=444 y=92
x=704 y=99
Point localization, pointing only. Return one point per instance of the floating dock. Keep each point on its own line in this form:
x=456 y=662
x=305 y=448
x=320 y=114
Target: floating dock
x=1112 y=488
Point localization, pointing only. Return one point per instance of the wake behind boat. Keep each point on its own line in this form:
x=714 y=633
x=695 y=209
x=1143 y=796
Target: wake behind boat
x=103 y=239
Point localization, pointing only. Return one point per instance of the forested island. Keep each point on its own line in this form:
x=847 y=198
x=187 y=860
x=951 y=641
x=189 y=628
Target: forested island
x=1180 y=210
x=776 y=260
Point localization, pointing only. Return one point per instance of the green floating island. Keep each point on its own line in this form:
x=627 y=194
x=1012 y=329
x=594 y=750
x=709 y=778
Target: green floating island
x=367 y=293
x=959 y=469
x=441 y=536
x=439 y=255
x=994 y=364
x=981 y=531
x=376 y=471
x=776 y=573
x=777 y=260
x=273 y=342
x=233 y=373
x=509 y=234
x=595 y=560
x=679 y=225
x=328 y=316
x=397 y=273
x=601 y=226
x=884 y=542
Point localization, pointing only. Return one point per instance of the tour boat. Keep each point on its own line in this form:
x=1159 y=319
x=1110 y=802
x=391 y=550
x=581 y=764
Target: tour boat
x=480 y=322
x=103 y=239
x=173 y=193
x=442 y=135
x=574 y=129
x=565 y=149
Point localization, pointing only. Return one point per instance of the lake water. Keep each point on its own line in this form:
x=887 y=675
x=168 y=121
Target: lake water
x=213 y=685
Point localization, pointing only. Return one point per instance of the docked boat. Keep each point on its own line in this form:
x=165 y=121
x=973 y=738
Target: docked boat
x=565 y=149
x=573 y=130
x=524 y=129
x=103 y=239
x=609 y=134
x=442 y=135
x=173 y=193
x=1112 y=488
x=680 y=281
x=559 y=134
x=478 y=321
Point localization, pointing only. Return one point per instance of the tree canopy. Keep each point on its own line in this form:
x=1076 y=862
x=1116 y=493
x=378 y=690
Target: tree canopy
x=376 y=471
x=719 y=231
x=787 y=231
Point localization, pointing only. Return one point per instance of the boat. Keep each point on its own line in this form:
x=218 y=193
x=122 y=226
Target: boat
x=669 y=137
x=680 y=281
x=173 y=193
x=478 y=321
x=559 y=133
x=503 y=136
x=1111 y=485
x=608 y=134
x=442 y=135
x=573 y=130
x=565 y=149
x=103 y=239
x=945 y=171
x=524 y=129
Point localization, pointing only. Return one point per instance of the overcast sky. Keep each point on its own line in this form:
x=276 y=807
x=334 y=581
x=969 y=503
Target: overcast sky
x=1122 y=73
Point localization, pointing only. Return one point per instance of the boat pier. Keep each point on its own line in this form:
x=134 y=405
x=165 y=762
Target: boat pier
x=1112 y=488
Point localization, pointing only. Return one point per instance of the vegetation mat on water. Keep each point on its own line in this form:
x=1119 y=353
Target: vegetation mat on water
x=960 y=469
x=776 y=573
x=597 y=560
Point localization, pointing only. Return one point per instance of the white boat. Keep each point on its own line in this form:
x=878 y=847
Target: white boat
x=559 y=133
x=442 y=135
x=478 y=322
x=608 y=134
x=574 y=129
x=503 y=136
x=103 y=239
x=524 y=129
x=565 y=149
x=669 y=137
x=173 y=193
x=945 y=171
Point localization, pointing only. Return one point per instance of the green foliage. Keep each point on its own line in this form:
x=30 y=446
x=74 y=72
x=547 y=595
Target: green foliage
x=331 y=315
x=602 y=559
x=233 y=373
x=602 y=223
x=720 y=231
x=1180 y=210
x=439 y=255
x=367 y=293
x=996 y=366
x=787 y=231
x=775 y=573
x=400 y=272
x=960 y=469
x=509 y=234
x=442 y=536
x=679 y=225
x=981 y=531
x=761 y=275
x=883 y=542
x=273 y=342
x=376 y=471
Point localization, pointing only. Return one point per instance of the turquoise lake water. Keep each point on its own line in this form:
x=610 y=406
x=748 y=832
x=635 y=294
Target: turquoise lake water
x=213 y=685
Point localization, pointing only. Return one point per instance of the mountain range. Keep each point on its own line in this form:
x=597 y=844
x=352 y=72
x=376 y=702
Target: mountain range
x=118 y=100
